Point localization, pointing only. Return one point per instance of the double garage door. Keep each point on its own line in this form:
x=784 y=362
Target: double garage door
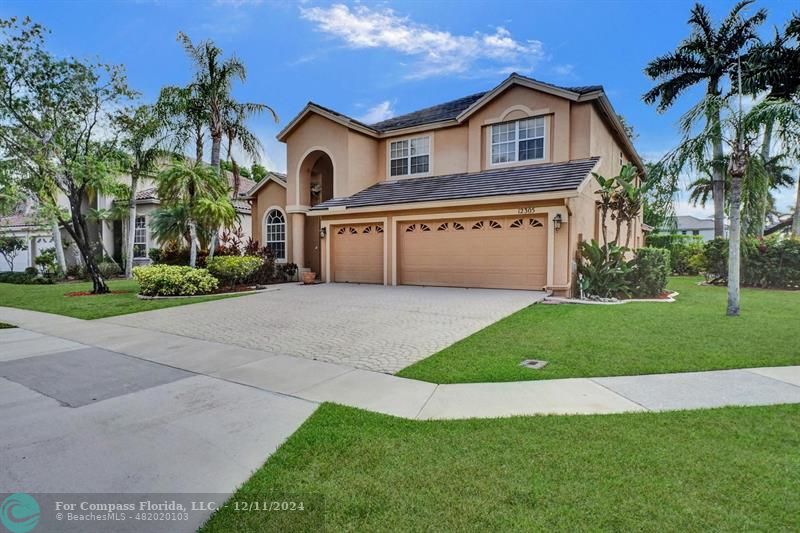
x=489 y=252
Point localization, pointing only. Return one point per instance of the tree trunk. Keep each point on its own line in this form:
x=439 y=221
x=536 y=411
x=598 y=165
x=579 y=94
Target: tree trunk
x=734 y=247
x=216 y=147
x=766 y=146
x=212 y=245
x=59 y=247
x=198 y=144
x=131 y=229
x=193 y=245
x=796 y=217
x=718 y=181
x=236 y=178
x=78 y=231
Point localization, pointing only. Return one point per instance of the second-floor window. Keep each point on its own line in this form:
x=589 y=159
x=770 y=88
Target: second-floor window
x=410 y=156
x=520 y=140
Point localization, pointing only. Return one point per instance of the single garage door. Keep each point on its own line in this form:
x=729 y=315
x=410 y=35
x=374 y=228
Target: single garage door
x=358 y=253
x=490 y=252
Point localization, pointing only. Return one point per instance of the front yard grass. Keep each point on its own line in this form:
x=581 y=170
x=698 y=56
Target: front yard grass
x=691 y=334
x=714 y=470
x=53 y=299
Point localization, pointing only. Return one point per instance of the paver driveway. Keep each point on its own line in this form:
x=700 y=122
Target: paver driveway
x=366 y=326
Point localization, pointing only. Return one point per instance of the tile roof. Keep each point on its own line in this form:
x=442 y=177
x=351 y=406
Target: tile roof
x=502 y=182
x=446 y=111
x=240 y=204
x=450 y=110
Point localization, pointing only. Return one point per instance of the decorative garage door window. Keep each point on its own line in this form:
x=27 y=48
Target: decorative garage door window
x=521 y=223
x=276 y=234
x=350 y=230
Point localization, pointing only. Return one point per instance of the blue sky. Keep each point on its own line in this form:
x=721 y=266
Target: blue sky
x=372 y=60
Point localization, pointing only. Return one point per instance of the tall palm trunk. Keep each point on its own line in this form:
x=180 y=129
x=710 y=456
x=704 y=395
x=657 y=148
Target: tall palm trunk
x=796 y=217
x=131 y=229
x=216 y=148
x=59 y=247
x=198 y=143
x=193 y=244
x=718 y=179
x=764 y=197
x=734 y=246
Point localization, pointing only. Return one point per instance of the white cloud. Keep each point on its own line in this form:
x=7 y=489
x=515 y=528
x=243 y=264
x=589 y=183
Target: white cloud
x=378 y=112
x=564 y=70
x=440 y=52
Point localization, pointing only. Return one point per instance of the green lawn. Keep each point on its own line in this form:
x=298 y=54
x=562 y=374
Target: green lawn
x=636 y=338
x=723 y=469
x=3 y=325
x=53 y=299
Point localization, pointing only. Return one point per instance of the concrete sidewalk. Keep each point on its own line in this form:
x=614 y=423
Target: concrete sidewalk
x=317 y=381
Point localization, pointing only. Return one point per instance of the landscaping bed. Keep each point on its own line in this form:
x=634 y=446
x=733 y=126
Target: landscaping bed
x=690 y=334
x=712 y=470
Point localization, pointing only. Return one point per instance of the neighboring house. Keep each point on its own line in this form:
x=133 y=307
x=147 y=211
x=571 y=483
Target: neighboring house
x=37 y=237
x=269 y=218
x=689 y=225
x=490 y=190
x=781 y=227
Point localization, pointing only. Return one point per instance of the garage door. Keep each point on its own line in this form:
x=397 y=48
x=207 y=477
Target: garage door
x=503 y=253
x=358 y=253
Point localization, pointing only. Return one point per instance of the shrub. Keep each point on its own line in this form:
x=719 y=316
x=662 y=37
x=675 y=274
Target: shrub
x=603 y=273
x=46 y=261
x=154 y=254
x=24 y=278
x=31 y=271
x=287 y=271
x=169 y=280
x=683 y=250
x=770 y=263
x=108 y=269
x=649 y=271
x=234 y=269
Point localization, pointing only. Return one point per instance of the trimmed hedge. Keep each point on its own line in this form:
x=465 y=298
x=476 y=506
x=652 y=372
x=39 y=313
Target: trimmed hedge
x=649 y=271
x=25 y=278
x=168 y=280
x=233 y=269
x=770 y=263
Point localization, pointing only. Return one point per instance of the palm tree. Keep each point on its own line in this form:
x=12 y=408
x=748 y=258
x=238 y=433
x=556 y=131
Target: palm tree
x=185 y=115
x=143 y=135
x=773 y=67
x=708 y=55
x=213 y=80
x=202 y=193
x=235 y=128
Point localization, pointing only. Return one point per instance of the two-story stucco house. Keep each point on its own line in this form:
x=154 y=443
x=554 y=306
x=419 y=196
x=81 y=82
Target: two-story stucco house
x=491 y=190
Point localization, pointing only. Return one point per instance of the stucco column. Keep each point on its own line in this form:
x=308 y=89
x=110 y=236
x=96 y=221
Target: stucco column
x=298 y=239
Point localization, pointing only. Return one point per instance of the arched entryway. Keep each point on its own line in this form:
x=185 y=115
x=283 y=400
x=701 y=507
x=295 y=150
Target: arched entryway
x=315 y=185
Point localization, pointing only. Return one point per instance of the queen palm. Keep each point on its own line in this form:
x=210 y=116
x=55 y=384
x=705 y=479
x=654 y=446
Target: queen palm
x=237 y=133
x=202 y=193
x=709 y=55
x=142 y=138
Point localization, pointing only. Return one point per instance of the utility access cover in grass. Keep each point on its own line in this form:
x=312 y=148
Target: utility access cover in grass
x=535 y=364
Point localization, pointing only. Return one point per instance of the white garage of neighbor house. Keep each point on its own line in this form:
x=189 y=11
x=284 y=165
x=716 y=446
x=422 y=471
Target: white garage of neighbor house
x=37 y=238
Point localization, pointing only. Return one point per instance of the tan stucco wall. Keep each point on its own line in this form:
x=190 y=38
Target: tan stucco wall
x=270 y=195
x=315 y=131
x=506 y=107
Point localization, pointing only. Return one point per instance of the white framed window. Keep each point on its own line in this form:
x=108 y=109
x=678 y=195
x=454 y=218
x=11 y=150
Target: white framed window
x=140 y=238
x=410 y=156
x=275 y=233
x=520 y=140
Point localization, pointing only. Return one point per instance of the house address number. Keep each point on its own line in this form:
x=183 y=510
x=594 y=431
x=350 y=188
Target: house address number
x=526 y=210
